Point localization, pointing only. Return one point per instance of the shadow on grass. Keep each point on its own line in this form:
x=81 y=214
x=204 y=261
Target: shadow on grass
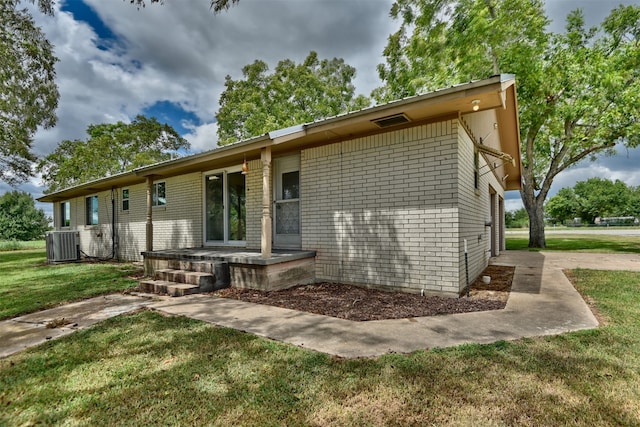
x=28 y=285
x=149 y=369
x=153 y=370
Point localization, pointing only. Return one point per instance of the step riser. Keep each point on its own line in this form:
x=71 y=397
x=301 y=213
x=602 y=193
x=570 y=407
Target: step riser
x=155 y=288
x=199 y=266
x=206 y=277
x=203 y=280
x=178 y=292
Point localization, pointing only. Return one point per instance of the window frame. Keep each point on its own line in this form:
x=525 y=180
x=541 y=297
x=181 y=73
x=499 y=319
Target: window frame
x=226 y=241
x=95 y=213
x=65 y=214
x=154 y=194
x=125 y=199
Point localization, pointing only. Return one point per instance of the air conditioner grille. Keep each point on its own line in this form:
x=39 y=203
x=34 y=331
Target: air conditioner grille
x=63 y=246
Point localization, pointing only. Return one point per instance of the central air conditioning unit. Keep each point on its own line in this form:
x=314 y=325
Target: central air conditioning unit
x=63 y=246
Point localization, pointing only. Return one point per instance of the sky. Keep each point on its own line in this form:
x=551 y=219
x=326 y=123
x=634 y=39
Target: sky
x=170 y=61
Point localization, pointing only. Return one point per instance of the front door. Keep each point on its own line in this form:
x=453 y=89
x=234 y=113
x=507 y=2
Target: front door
x=286 y=221
x=224 y=208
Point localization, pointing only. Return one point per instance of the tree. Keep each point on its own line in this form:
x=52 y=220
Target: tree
x=516 y=219
x=28 y=93
x=19 y=218
x=578 y=92
x=110 y=149
x=292 y=94
x=599 y=197
x=595 y=197
x=635 y=201
x=564 y=206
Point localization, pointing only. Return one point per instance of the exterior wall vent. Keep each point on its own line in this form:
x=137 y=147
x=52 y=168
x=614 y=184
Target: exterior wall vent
x=396 y=119
x=63 y=246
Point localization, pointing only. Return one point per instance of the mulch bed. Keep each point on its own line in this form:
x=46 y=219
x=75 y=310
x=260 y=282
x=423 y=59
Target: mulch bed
x=361 y=304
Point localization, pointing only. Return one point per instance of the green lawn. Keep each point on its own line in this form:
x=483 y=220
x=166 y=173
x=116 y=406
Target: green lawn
x=28 y=284
x=14 y=245
x=146 y=369
x=580 y=243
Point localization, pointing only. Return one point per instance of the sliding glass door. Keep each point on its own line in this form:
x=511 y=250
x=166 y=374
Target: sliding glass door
x=225 y=208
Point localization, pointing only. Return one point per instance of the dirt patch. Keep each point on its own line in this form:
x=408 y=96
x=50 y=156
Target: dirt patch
x=361 y=304
x=58 y=323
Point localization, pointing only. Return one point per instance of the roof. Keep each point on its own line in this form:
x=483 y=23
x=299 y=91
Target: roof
x=494 y=93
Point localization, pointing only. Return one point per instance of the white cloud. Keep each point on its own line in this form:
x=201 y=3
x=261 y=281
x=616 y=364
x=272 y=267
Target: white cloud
x=180 y=52
x=513 y=204
x=202 y=138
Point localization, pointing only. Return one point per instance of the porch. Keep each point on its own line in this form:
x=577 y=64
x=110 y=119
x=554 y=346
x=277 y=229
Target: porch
x=224 y=266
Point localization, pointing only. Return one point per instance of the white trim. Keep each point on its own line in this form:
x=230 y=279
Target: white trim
x=154 y=185
x=128 y=199
x=281 y=165
x=86 y=218
x=225 y=196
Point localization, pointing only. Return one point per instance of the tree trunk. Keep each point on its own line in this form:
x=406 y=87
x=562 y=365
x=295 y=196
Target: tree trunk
x=534 y=205
x=536 y=225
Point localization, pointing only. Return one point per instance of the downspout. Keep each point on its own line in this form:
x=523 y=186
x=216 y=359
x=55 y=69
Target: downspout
x=148 y=269
x=266 y=235
x=466 y=265
x=113 y=224
x=149 y=223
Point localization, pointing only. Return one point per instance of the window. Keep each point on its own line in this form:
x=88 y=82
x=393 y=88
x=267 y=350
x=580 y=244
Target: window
x=125 y=199
x=91 y=210
x=158 y=194
x=65 y=214
x=291 y=185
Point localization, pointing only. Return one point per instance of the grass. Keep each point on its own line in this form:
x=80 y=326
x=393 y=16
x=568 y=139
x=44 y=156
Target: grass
x=15 y=245
x=580 y=243
x=27 y=284
x=153 y=370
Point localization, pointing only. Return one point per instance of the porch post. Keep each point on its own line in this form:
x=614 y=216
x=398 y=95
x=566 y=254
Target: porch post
x=265 y=238
x=149 y=234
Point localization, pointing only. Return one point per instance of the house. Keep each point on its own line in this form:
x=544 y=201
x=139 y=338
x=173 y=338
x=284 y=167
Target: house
x=390 y=197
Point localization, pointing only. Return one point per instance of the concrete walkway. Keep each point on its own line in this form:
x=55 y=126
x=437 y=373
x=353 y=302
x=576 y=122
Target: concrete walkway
x=31 y=329
x=542 y=302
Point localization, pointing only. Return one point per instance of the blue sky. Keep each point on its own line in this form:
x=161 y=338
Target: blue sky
x=170 y=61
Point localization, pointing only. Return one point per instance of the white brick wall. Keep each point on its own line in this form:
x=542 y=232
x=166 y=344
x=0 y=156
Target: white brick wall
x=179 y=223
x=475 y=209
x=254 y=203
x=382 y=210
x=176 y=225
x=388 y=210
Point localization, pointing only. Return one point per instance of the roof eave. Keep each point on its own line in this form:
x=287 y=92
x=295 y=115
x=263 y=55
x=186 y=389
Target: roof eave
x=250 y=148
